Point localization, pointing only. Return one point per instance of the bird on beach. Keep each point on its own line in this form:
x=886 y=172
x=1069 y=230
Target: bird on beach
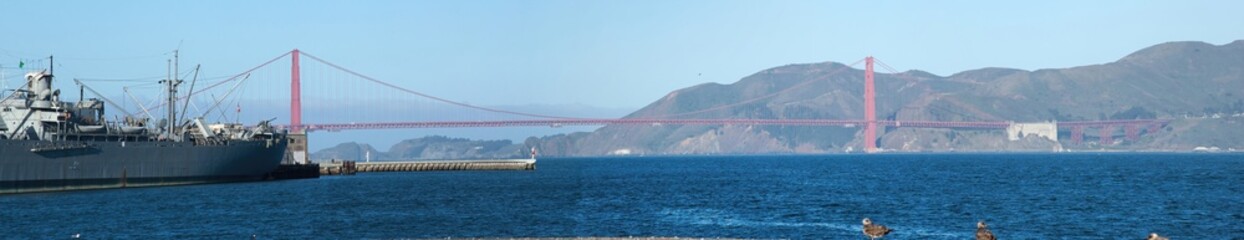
x=874 y=231
x=982 y=231
x=1154 y=236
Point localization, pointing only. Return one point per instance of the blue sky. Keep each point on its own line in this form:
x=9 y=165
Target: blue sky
x=599 y=53
x=612 y=54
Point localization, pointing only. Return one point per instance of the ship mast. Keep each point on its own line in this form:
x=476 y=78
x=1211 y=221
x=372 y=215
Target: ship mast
x=171 y=86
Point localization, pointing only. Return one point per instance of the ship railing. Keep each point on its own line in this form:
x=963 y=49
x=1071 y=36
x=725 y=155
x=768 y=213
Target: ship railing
x=111 y=137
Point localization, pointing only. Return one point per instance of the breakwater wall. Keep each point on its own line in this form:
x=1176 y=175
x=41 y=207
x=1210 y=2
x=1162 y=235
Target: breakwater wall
x=350 y=167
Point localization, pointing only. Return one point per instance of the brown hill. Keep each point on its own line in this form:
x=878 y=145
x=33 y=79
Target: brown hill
x=1177 y=80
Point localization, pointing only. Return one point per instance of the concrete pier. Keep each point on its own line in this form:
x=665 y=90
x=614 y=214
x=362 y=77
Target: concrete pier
x=336 y=168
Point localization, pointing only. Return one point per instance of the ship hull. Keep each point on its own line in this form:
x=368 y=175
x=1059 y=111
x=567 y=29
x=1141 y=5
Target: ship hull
x=42 y=166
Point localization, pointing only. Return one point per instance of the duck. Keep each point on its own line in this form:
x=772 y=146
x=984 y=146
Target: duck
x=982 y=231
x=875 y=231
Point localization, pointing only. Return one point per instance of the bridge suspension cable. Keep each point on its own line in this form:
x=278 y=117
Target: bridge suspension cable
x=234 y=77
x=461 y=104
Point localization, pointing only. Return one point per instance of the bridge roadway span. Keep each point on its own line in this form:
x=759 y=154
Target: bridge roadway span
x=635 y=121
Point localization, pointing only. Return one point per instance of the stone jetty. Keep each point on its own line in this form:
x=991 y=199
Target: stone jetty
x=351 y=167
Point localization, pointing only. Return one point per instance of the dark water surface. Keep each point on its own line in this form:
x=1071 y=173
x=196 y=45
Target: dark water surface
x=939 y=196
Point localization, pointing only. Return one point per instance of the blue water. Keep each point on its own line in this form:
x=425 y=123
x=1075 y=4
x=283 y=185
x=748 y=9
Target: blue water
x=939 y=196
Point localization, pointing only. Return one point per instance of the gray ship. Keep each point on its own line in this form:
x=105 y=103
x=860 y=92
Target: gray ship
x=50 y=145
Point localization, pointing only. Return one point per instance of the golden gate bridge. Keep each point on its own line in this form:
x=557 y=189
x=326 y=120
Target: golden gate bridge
x=1106 y=128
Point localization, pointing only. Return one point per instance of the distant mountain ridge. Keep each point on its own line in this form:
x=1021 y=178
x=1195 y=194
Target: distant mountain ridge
x=425 y=148
x=1169 y=80
x=1199 y=86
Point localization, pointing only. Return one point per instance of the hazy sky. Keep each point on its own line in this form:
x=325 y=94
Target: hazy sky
x=621 y=54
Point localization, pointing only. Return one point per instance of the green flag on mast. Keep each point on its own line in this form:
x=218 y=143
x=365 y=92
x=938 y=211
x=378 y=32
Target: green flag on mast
x=21 y=64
